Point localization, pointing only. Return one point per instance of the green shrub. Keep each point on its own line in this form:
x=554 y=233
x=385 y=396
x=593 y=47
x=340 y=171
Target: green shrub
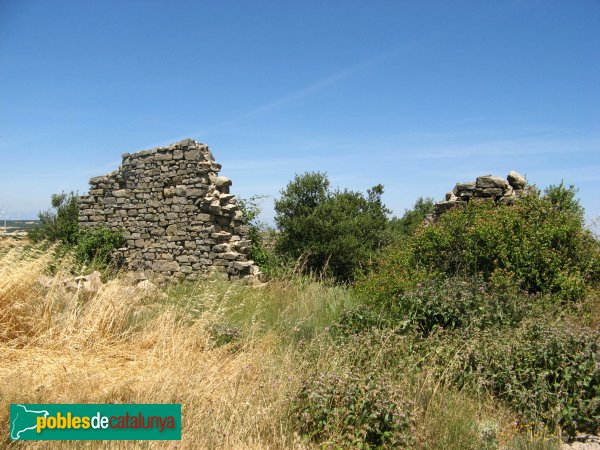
x=352 y=410
x=545 y=247
x=546 y=372
x=411 y=220
x=540 y=241
x=335 y=231
x=455 y=303
x=564 y=199
x=95 y=245
x=59 y=224
x=359 y=319
x=446 y=303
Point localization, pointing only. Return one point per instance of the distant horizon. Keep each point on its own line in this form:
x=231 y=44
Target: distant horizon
x=590 y=220
x=413 y=95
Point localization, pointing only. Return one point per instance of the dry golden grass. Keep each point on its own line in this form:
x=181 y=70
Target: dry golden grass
x=63 y=347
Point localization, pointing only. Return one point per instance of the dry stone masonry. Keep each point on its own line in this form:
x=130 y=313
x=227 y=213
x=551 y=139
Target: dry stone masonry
x=487 y=186
x=176 y=213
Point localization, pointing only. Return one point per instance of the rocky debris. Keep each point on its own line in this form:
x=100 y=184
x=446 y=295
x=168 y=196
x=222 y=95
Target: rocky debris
x=45 y=281
x=583 y=442
x=491 y=187
x=90 y=283
x=134 y=278
x=175 y=211
x=147 y=285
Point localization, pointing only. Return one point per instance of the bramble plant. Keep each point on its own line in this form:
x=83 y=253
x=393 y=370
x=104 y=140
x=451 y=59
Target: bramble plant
x=352 y=410
x=546 y=372
x=455 y=303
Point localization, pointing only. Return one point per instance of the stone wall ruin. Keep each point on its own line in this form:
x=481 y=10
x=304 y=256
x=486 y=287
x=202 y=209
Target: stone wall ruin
x=489 y=187
x=174 y=210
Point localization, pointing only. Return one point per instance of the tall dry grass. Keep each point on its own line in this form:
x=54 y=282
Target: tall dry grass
x=125 y=345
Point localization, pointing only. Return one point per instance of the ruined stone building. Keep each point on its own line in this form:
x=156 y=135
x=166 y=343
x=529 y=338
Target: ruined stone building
x=489 y=187
x=174 y=210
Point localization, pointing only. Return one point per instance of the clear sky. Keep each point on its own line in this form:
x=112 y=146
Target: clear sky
x=415 y=95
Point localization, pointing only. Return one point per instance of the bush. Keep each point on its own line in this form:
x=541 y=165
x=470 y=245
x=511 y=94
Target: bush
x=539 y=241
x=545 y=247
x=357 y=320
x=455 y=303
x=335 y=231
x=546 y=372
x=446 y=303
x=60 y=224
x=412 y=219
x=95 y=245
x=564 y=199
x=351 y=410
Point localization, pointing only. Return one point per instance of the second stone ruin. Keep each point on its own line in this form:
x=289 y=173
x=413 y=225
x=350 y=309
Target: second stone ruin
x=487 y=186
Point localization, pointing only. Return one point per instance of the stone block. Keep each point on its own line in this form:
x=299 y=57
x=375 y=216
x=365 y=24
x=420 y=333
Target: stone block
x=516 y=180
x=229 y=255
x=222 y=182
x=489 y=181
x=165 y=266
x=193 y=155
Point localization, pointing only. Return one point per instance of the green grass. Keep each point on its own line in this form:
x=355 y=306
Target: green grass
x=298 y=309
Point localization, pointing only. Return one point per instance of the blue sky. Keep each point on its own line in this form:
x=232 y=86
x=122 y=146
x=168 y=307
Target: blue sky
x=414 y=95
